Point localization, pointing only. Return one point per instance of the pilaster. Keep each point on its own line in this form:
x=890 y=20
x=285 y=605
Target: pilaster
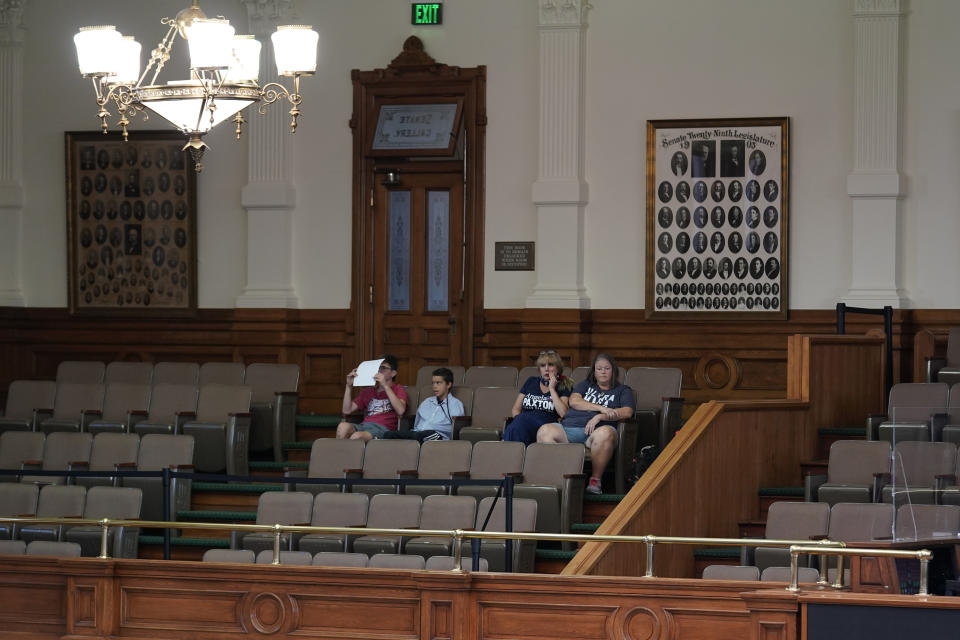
x=875 y=186
x=269 y=196
x=11 y=151
x=560 y=193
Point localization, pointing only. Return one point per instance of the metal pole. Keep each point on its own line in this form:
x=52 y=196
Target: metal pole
x=794 y=571
x=508 y=524
x=104 y=538
x=457 y=552
x=838 y=583
x=924 y=562
x=276 y=544
x=165 y=481
x=650 y=542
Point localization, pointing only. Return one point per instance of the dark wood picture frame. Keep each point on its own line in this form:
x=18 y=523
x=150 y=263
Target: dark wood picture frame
x=717 y=218
x=131 y=224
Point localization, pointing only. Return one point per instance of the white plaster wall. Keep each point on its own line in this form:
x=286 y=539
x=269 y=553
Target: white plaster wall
x=661 y=59
x=930 y=212
x=645 y=60
x=48 y=112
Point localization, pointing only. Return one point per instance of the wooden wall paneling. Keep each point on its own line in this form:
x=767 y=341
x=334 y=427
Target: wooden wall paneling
x=706 y=479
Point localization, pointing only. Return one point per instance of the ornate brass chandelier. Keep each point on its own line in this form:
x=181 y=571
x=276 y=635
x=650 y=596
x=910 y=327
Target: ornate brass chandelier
x=224 y=70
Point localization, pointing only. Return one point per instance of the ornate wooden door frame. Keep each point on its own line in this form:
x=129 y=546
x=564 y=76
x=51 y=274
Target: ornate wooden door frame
x=414 y=73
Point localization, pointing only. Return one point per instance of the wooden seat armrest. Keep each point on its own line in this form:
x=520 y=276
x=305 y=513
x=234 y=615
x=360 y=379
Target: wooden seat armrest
x=671 y=399
x=181 y=467
x=44 y=410
x=79 y=463
x=186 y=414
x=459 y=474
x=515 y=474
x=410 y=473
x=240 y=414
x=32 y=463
x=92 y=412
x=819 y=536
x=353 y=471
x=138 y=412
x=125 y=465
x=27 y=515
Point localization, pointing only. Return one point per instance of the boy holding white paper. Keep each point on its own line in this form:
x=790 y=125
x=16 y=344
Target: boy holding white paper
x=382 y=404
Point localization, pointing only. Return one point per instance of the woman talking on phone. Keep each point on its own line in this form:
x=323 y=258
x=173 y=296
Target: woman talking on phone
x=543 y=398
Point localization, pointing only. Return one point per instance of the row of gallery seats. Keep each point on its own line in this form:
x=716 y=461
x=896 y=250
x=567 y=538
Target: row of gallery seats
x=927 y=411
x=342 y=559
x=852 y=523
x=72 y=501
x=166 y=397
x=107 y=452
x=551 y=474
x=392 y=511
x=913 y=471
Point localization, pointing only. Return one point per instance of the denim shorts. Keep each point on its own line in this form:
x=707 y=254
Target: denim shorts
x=375 y=429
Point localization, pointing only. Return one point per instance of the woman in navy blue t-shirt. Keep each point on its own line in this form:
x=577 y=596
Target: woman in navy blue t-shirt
x=542 y=399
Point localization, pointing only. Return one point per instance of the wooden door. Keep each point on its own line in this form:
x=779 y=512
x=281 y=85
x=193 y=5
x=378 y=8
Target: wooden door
x=418 y=313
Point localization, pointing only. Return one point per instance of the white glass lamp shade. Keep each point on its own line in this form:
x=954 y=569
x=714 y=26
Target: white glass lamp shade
x=295 y=49
x=128 y=58
x=96 y=49
x=184 y=103
x=211 y=43
x=245 y=65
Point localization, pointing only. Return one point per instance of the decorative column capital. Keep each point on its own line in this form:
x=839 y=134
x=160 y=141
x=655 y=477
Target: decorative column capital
x=263 y=16
x=878 y=8
x=564 y=13
x=11 y=21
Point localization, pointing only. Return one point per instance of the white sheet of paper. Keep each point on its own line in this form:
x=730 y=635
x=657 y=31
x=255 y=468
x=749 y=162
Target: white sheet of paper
x=365 y=372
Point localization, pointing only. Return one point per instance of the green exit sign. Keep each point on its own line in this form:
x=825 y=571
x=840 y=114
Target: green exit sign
x=422 y=13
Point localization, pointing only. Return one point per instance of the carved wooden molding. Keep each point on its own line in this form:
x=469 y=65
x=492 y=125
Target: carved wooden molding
x=413 y=57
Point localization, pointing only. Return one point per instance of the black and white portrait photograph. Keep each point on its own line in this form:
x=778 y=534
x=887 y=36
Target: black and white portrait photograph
x=732 y=164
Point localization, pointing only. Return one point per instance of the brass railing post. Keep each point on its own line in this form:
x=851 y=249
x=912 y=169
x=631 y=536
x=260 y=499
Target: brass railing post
x=457 y=550
x=276 y=544
x=794 y=570
x=924 y=567
x=838 y=583
x=650 y=542
x=104 y=537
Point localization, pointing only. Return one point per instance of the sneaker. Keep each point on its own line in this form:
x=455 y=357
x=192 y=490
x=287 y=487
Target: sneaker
x=593 y=487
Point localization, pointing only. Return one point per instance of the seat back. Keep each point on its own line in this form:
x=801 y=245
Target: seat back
x=492 y=405
x=396 y=561
x=340 y=510
x=490 y=377
x=728 y=572
x=61 y=501
x=805 y=575
x=413 y=402
x=860 y=522
x=17 y=446
x=18 y=499
x=797 y=520
x=384 y=458
x=919 y=463
x=12 y=547
x=301 y=558
x=652 y=384
x=330 y=456
x=924 y=521
x=492 y=459
x=441 y=457
x=159 y=451
x=284 y=507
x=169 y=398
x=525 y=373
x=392 y=511
x=464 y=395
x=122 y=397
x=856 y=461
x=340 y=559
x=74 y=397
x=524 y=515
x=267 y=379
x=80 y=372
x=953 y=404
x=218 y=401
x=445 y=563
x=229 y=373
x=245 y=556
x=448 y=512
x=916 y=401
x=129 y=373
x=110 y=449
x=64 y=447
x=53 y=548
x=547 y=463
x=122 y=503
x=425 y=373
x=176 y=373
x=23 y=396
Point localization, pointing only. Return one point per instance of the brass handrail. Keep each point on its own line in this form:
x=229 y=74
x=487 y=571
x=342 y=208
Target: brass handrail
x=796 y=547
